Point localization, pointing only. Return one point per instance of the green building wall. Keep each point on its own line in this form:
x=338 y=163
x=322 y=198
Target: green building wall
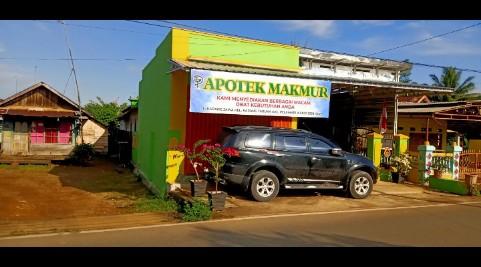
x=164 y=104
x=235 y=50
x=154 y=118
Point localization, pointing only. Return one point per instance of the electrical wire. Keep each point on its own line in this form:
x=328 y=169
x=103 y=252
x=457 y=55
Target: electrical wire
x=101 y=28
x=71 y=71
x=246 y=53
x=84 y=59
x=427 y=39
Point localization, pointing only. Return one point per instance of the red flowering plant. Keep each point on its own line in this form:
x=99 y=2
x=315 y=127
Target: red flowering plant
x=215 y=156
x=193 y=155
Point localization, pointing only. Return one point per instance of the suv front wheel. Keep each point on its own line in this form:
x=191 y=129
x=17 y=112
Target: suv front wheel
x=264 y=186
x=360 y=185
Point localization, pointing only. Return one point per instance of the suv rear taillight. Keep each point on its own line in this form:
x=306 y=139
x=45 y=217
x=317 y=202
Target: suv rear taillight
x=231 y=152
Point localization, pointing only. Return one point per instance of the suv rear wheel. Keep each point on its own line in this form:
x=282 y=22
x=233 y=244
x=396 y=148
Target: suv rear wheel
x=360 y=185
x=264 y=186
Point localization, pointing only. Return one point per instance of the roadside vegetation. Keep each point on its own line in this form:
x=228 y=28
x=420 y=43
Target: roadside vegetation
x=155 y=204
x=198 y=210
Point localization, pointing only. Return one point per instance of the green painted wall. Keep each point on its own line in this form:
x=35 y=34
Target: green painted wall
x=450 y=186
x=154 y=117
x=161 y=111
x=243 y=51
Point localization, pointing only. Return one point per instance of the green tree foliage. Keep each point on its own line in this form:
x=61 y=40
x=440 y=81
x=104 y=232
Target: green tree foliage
x=105 y=113
x=452 y=78
x=405 y=76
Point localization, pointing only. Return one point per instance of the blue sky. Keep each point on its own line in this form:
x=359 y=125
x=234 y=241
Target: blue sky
x=109 y=55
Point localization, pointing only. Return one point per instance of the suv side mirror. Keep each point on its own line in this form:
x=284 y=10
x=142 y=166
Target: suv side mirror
x=336 y=151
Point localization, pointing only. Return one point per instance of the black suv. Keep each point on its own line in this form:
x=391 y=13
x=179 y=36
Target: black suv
x=267 y=158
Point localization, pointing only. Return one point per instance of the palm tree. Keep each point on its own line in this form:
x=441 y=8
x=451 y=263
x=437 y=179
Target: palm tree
x=405 y=76
x=451 y=78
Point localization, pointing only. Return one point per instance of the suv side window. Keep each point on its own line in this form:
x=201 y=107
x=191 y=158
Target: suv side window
x=319 y=146
x=291 y=143
x=258 y=140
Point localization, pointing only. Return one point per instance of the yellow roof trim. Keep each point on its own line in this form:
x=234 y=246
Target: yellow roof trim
x=243 y=64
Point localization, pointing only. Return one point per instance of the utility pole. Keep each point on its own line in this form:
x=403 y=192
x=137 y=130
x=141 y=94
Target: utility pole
x=76 y=82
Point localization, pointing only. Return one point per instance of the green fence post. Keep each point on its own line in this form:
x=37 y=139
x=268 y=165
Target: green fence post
x=374 y=143
x=401 y=144
x=454 y=164
x=425 y=157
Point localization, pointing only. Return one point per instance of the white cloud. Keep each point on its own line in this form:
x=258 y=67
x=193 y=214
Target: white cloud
x=320 y=28
x=374 y=22
x=13 y=80
x=373 y=44
x=449 y=47
x=2 y=47
x=454 y=45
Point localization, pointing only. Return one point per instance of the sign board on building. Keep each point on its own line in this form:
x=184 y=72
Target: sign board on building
x=259 y=95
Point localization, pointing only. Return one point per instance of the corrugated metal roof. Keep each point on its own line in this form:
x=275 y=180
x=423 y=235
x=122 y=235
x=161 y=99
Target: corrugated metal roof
x=48 y=87
x=422 y=109
x=187 y=65
x=38 y=113
x=430 y=107
x=433 y=104
x=349 y=59
x=35 y=86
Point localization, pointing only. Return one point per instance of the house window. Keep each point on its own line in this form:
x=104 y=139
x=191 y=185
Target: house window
x=51 y=131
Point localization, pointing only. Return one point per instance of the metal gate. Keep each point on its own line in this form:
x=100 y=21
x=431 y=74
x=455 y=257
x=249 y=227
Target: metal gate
x=359 y=140
x=470 y=162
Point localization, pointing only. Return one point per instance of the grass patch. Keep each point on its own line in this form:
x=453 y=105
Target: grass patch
x=34 y=168
x=155 y=204
x=4 y=166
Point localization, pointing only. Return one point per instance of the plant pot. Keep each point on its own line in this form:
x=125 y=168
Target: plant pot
x=217 y=199
x=470 y=179
x=198 y=187
x=397 y=178
x=438 y=174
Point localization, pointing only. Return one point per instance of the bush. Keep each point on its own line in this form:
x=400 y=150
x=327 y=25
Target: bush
x=82 y=153
x=197 y=211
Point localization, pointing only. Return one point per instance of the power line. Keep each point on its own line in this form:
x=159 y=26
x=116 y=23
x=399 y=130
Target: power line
x=101 y=28
x=427 y=39
x=180 y=24
x=70 y=75
x=150 y=24
x=443 y=67
x=414 y=63
x=78 y=59
x=76 y=81
x=204 y=29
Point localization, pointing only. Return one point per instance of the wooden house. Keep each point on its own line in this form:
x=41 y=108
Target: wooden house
x=39 y=122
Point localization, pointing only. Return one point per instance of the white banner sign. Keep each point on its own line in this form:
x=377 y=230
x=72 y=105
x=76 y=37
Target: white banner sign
x=260 y=95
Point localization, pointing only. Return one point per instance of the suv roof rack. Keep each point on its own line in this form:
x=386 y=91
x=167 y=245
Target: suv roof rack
x=237 y=128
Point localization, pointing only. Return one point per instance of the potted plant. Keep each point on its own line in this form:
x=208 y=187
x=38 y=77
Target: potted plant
x=198 y=186
x=215 y=156
x=401 y=165
x=441 y=166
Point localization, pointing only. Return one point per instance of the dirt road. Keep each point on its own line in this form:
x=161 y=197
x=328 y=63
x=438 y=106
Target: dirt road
x=37 y=192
